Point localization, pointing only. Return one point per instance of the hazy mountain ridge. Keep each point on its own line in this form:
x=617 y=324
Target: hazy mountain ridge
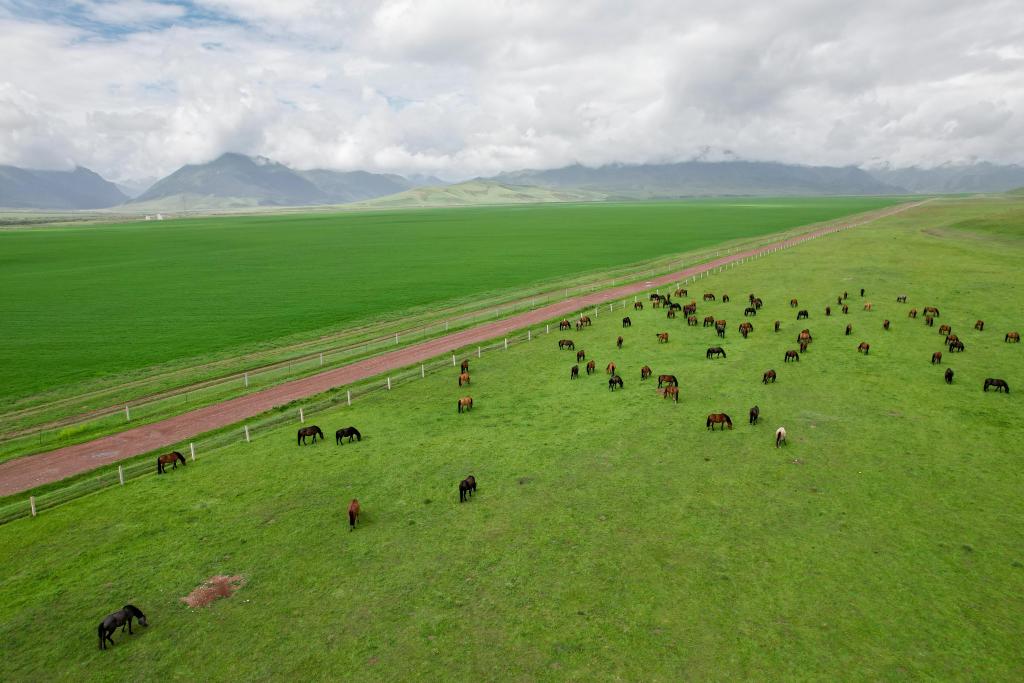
x=953 y=178
x=23 y=188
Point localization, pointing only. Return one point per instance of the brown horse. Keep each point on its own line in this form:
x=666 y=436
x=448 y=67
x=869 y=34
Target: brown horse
x=1012 y=337
x=931 y=310
x=353 y=514
x=715 y=351
x=778 y=325
x=171 y=459
x=950 y=338
x=867 y=306
x=690 y=308
x=671 y=313
x=980 y=326
x=768 y=376
x=846 y=309
x=667 y=379
x=312 y=431
x=936 y=357
x=564 y=325
x=618 y=342
x=465 y=404
x=998 y=384
x=465 y=365
x=464 y=378
x=718 y=419
x=828 y=310
x=682 y=292
x=610 y=369
x=691 y=320
x=885 y=324
x=956 y=345
x=839 y=301
x=662 y=337
x=670 y=392
x=467 y=487
x=949 y=375
x=802 y=314
x=912 y=313
x=638 y=306
x=579 y=325
x=581 y=355
x=645 y=372
x=864 y=347
x=614 y=381
x=709 y=320
x=566 y=344
x=708 y=296
x=793 y=303
x=804 y=336
x=849 y=330
x=574 y=372
x=585 y=319
x=755 y=413
x=626 y=322
x=745 y=329
x=591 y=367
x=945 y=329
x=791 y=355
x=929 y=321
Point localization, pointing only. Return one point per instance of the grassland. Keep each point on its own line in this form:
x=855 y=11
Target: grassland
x=85 y=304
x=612 y=536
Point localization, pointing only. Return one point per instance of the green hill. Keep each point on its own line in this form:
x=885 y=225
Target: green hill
x=480 y=193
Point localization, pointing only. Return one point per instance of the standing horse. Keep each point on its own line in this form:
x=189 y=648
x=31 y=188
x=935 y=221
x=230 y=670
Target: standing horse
x=720 y=328
x=864 y=347
x=662 y=337
x=901 y=299
x=803 y=346
x=171 y=459
x=846 y=309
x=667 y=379
x=464 y=378
x=867 y=306
x=791 y=355
x=579 y=325
x=714 y=352
x=467 y=487
x=931 y=310
x=936 y=357
x=626 y=322
x=708 y=296
x=312 y=431
x=465 y=404
x=581 y=355
x=691 y=321
x=749 y=311
x=614 y=381
x=591 y=367
x=638 y=306
x=350 y=432
x=956 y=345
x=671 y=313
x=768 y=376
x=849 y=330
x=353 y=514
x=780 y=437
x=718 y=419
x=778 y=325
x=828 y=310
x=566 y=344
x=945 y=329
x=885 y=325
x=793 y=303
x=610 y=369
x=1012 y=337
x=585 y=319
x=465 y=365
x=564 y=325
x=999 y=384
x=755 y=413
x=912 y=313
x=122 y=618
x=670 y=392
x=709 y=320
x=645 y=372
x=725 y=298
x=802 y=314
x=949 y=375
x=929 y=321
x=574 y=372
x=618 y=342
x=979 y=325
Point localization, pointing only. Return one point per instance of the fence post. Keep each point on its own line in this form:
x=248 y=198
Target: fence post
x=247 y=433
x=247 y=380
x=445 y=325
x=302 y=416
x=192 y=447
x=389 y=382
x=479 y=352
x=423 y=371
x=547 y=329
x=453 y=360
x=127 y=413
x=350 y=397
x=506 y=343
x=120 y=474
x=321 y=360
x=529 y=335
x=32 y=504
x=396 y=337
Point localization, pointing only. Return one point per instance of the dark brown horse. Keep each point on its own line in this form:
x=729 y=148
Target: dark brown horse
x=564 y=325
x=312 y=431
x=585 y=319
x=581 y=355
x=465 y=404
x=171 y=459
x=936 y=357
x=949 y=375
x=574 y=372
x=749 y=311
x=1012 y=337
x=931 y=310
x=690 y=308
x=998 y=384
x=618 y=342
x=912 y=313
x=353 y=514
x=670 y=392
x=768 y=377
x=885 y=324
x=645 y=372
x=849 y=330
x=591 y=367
x=610 y=369
x=803 y=346
x=667 y=379
x=708 y=296
x=122 y=618
x=864 y=347
x=755 y=413
x=980 y=326
x=929 y=321
x=566 y=344
x=718 y=419
x=720 y=328
x=828 y=310
x=614 y=381
x=467 y=487
x=662 y=337
x=791 y=355
x=715 y=351
x=778 y=325
x=802 y=314
x=846 y=309
x=670 y=314
x=725 y=298
x=956 y=345
x=350 y=432
x=464 y=378
x=709 y=320
x=638 y=306
x=626 y=322
x=465 y=365
x=691 y=320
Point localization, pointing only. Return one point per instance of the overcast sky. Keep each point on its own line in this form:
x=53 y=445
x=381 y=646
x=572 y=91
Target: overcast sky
x=135 y=88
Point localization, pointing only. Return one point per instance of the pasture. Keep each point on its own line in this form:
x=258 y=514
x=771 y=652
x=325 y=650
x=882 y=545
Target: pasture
x=102 y=304
x=612 y=536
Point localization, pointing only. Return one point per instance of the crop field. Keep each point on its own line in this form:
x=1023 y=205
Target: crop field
x=612 y=536
x=83 y=304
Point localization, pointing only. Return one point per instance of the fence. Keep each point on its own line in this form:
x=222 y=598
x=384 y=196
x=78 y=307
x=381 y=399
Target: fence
x=250 y=430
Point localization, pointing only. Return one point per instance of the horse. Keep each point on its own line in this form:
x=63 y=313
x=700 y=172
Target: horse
x=662 y=337
x=708 y=296
x=803 y=346
x=585 y=319
x=464 y=378
x=861 y=292
x=645 y=372
x=638 y=305
x=1012 y=337
x=465 y=404
x=864 y=347
x=845 y=295
x=936 y=357
x=122 y=618
x=581 y=355
x=171 y=459
x=675 y=307
x=709 y=320
x=312 y=431
x=770 y=375
x=956 y=345
x=912 y=313
x=931 y=310
x=999 y=384
x=758 y=303
x=610 y=369
x=667 y=379
x=725 y=299
x=614 y=381
x=846 y=309
x=670 y=392
x=802 y=314
x=929 y=321
x=720 y=331
x=778 y=325
x=980 y=326
x=656 y=302
x=791 y=355
x=849 y=330
x=467 y=487
x=793 y=303
x=839 y=301
x=949 y=375
x=591 y=367
x=755 y=413
x=885 y=324
x=564 y=325
x=618 y=342
x=565 y=344
x=579 y=325
x=745 y=329
x=749 y=311
x=353 y=514
x=901 y=299
x=574 y=372
x=945 y=329
x=465 y=365
x=339 y=436
x=867 y=306
x=718 y=419
x=671 y=313
x=714 y=351
x=780 y=437
x=828 y=311
x=682 y=292
x=691 y=321
x=626 y=322
x=804 y=336
x=690 y=308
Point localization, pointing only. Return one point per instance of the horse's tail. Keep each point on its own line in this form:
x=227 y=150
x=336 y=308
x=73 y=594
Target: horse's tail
x=99 y=632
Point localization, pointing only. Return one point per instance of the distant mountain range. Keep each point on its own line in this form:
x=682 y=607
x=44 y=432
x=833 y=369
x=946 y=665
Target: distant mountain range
x=235 y=181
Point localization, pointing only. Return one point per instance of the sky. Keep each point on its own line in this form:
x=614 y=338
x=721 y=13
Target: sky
x=133 y=89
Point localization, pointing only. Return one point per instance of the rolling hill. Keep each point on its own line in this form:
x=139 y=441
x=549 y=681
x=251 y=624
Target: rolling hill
x=22 y=188
x=479 y=193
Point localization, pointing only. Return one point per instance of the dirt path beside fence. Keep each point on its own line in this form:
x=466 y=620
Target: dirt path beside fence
x=30 y=471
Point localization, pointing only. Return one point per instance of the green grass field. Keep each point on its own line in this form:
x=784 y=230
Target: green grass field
x=612 y=536
x=101 y=302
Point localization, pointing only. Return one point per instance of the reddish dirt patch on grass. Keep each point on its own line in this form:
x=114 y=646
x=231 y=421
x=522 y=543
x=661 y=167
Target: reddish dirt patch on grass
x=214 y=588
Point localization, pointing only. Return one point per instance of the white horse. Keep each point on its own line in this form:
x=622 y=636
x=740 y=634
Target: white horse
x=780 y=436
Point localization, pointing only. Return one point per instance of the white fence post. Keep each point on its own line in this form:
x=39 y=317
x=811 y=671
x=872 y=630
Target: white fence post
x=192 y=447
x=445 y=325
x=453 y=360
x=302 y=416
x=547 y=329
x=506 y=343
x=32 y=504
x=247 y=433
x=529 y=335
x=396 y=337
x=247 y=380
x=120 y=474
x=389 y=383
x=479 y=352
x=321 y=360
x=350 y=397
x=423 y=371
x=127 y=413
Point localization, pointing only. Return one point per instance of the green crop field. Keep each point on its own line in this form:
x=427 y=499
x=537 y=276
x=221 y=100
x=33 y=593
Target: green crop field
x=85 y=303
x=612 y=536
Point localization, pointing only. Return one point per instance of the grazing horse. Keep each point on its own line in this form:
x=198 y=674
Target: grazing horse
x=864 y=347
x=670 y=392
x=720 y=329
x=708 y=296
x=610 y=369
x=645 y=372
x=312 y=431
x=566 y=344
x=691 y=320
x=690 y=308
x=350 y=432
x=626 y=322
x=950 y=338
x=656 y=302
x=725 y=299
x=122 y=618
x=614 y=381
x=936 y=357
x=901 y=299
x=778 y=325
x=662 y=337
x=618 y=342
x=579 y=325
x=671 y=313
x=780 y=437
x=591 y=367
x=467 y=487
x=171 y=459
x=1012 y=337
x=564 y=325
x=749 y=311
x=638 y=305
x=745 y=329
x=667 y=379
x=929 y=321
x=581 y=355
x=791 y=355
x=465 y=366
x=675 y=307
x=945 y=329
x=464 y=378
x=885 y=324
x=867 y=306
x=709 y=320
x=768 y=376
x=682 y=292
x=465 y=404
x=755 y=413
x=931 y=310
x=758 y=303
x=956 y=345
x=839 y=301
x=846 y=309
x=849 y=330
x=802 y=314
x=980 y=326
x=718 y=419
x=574 y=372
x=714 y=351
x=828 y=310
x=949 y=375
x=585 y=319
x=793 y=303
x=353 y=514
x=912 y=313
x=999 y=384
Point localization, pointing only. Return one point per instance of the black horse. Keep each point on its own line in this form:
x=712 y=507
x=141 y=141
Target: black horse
x=999 y=384
x=949 y=375
x=120 y=618
x=614 y=381
x=349 y=432
x=755 y=412
x=626 y=322
x=312 y=431
x=714 y=351
x=467 y=487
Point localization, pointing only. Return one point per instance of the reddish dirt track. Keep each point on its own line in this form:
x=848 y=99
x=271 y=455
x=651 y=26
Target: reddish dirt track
x=35 y=470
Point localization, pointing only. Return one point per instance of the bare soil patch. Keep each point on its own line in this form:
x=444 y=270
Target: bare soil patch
x=214 y=588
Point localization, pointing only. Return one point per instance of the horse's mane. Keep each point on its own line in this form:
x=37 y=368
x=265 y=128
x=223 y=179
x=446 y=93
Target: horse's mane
x=134 y=610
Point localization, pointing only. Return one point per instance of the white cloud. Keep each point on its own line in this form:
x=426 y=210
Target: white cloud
x=463 y=88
